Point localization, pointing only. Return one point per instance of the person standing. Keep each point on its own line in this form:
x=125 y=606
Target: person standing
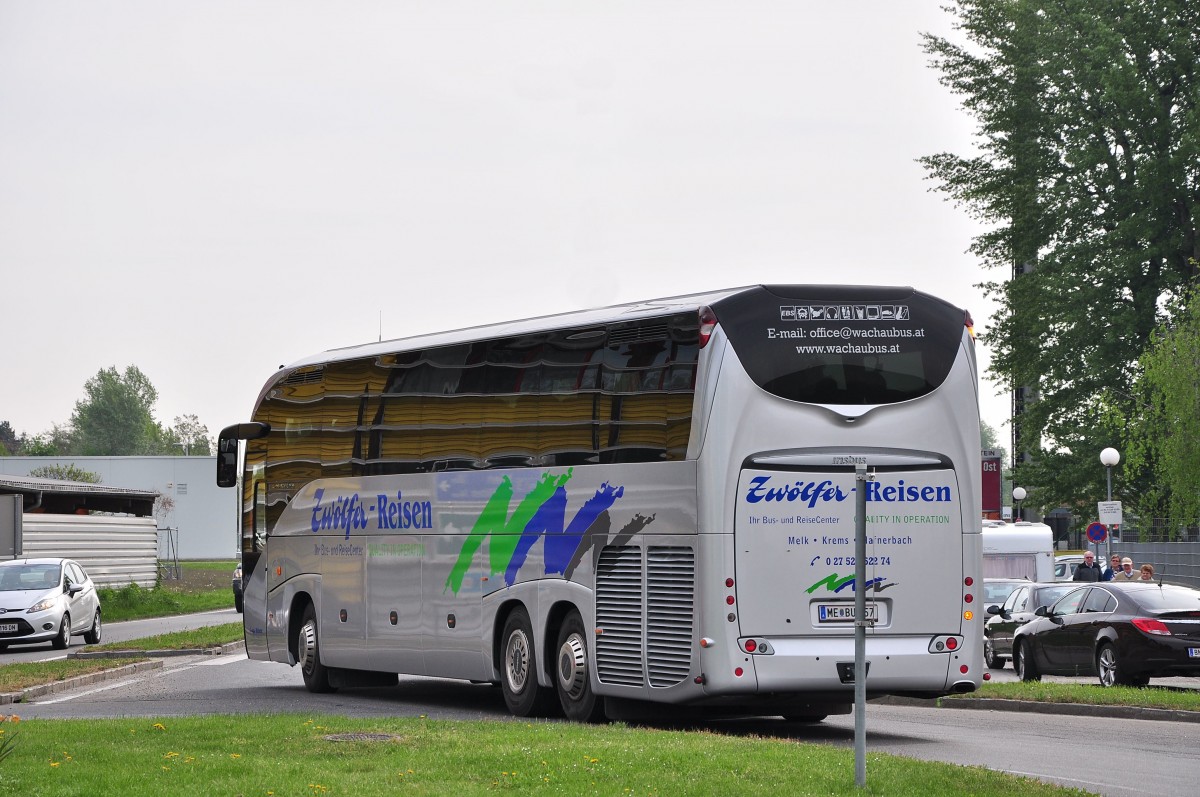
x=1147 y=573
x=1088 y=570
x=1126 y=573
x=1114 y=565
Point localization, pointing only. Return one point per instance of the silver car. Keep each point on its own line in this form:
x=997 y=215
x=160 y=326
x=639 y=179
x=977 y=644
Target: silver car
x=47 y=600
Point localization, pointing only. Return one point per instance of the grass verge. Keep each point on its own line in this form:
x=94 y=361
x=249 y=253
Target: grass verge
x=209 y=636
x=304 y=755
x=15 y=677
x=201 y=587
x=1091 y=694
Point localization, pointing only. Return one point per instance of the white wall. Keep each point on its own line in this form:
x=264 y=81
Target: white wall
x=206 y=515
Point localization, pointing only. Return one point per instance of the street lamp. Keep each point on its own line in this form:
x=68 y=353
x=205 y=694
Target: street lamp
x=1108 y=458
x=1018 y=496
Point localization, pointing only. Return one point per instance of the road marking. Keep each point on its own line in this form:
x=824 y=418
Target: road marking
x=105 y=688
x=222 y=659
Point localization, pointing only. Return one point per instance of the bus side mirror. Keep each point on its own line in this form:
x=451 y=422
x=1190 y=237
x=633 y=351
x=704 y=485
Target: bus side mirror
x=227 y=449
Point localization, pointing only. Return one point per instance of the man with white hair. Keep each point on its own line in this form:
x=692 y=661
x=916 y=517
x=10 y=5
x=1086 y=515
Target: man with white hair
x=1088 y=570
x=1126 y=573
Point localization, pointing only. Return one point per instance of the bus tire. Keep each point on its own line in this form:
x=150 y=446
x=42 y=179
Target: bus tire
x=573 y=673
x=518 y=668
x=308 y=654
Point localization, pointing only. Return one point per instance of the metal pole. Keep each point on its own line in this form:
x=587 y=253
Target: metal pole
x=860 y=626
x=1108 y=537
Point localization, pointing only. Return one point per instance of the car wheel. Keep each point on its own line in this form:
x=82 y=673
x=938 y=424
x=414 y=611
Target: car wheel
x=518 y=668
x=62 y=639
x=1023 y=663
x=1110 y=670
x=573 y=673
x=308 y=654
x=993 y=661
x=237 y=603
x=92 y=635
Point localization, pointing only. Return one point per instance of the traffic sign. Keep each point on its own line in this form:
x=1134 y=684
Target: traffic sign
x=1110 y=512
x=1096 y=532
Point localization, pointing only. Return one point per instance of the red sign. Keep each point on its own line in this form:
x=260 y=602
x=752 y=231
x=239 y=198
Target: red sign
x=993 y=487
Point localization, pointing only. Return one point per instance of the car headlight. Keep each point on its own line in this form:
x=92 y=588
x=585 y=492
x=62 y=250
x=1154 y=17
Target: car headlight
x=42 y=605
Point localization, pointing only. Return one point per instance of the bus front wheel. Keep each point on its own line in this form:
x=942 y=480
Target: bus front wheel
x=518 y=668
x=573 y=673
x=308 y=654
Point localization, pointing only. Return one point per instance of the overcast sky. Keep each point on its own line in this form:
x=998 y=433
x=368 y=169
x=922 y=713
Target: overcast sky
x=208 y=190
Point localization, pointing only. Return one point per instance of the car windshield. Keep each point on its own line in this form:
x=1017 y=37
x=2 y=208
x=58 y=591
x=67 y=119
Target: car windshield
x=997 y=591
x=1048 y=595
x=21 y=577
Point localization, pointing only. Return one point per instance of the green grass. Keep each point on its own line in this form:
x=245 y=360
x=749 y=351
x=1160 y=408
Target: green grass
x=15 y=677
x=197 y=638
x=204 y=586
x=292 y=755
x=1092 y=694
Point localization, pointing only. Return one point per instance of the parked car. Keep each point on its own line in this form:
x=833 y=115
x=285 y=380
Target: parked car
x=1017 y=609
x=1124 y=633
x=47 y=600
x=1064 y=566
x=995 y=590
x=237 y=588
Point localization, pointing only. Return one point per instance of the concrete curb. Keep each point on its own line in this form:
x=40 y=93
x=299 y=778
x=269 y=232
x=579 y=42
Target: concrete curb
x=42 y=690
x=232 y=647
x=1032 y=707
x=116 y=673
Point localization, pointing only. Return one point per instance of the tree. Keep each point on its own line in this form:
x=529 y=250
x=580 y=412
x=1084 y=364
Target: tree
x=1089 y=174
x=192 y=436
x=9 y=443
x=115 y=418
x=1169 y=424
x=69 y=473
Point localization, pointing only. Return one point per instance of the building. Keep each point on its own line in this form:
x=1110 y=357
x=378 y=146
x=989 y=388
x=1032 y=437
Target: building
x=195 y=518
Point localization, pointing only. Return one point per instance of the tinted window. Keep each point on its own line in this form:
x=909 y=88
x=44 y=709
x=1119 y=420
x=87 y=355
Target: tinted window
x=1167 y=598
x=1016 y=601
x=1099 y=601
x=843 y=344
x=1046 y=596
x=1070 y=603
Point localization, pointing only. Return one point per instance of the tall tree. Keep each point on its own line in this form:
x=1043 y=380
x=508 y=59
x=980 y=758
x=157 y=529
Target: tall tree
x=9 y=443
x=115 y=418
x=1169 y=426
x=1089 y=174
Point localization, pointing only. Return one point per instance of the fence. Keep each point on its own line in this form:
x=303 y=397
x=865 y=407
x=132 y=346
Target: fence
x=114 y=550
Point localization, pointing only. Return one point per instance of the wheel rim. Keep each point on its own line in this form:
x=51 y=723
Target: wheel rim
x=96 y=626
x=989 y=654
x=1108 y=667
x=1019 y=660
x=516 y=661
x=308 y=647
x=572 y=666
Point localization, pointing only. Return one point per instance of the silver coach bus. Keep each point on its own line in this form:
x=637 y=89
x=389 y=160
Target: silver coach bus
x=645 y=504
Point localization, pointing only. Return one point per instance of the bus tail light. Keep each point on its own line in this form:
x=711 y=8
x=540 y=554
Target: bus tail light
x=945 y=643
x=708 y=323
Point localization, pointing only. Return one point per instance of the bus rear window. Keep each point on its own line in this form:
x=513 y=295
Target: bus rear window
x=843 y=344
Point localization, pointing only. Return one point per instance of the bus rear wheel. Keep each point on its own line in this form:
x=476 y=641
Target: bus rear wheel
x=518 y=668
x=308 y=654
x=573 y=673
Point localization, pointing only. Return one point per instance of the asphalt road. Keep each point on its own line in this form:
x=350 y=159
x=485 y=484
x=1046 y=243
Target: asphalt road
x=1119 y=757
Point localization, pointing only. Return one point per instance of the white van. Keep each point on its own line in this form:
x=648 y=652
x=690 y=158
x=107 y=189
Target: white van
x=1018 y=550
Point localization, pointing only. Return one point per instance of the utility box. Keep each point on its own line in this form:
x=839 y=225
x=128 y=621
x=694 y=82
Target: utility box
x=12 y=509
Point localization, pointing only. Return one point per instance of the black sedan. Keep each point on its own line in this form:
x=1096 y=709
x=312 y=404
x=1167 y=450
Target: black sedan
x=1124 y=633
x=1017 y=609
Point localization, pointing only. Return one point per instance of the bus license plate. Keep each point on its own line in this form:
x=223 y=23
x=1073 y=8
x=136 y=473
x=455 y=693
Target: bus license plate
x=843 y=612
x=8 y=628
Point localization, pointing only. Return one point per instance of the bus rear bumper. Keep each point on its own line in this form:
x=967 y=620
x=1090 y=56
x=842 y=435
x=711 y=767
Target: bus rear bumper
x=906 y=665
